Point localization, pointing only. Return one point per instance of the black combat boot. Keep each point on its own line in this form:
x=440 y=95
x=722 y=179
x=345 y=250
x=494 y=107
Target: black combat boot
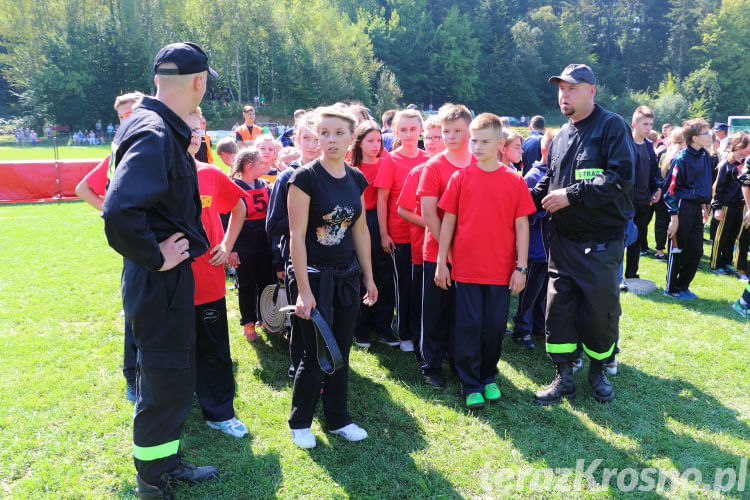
x=602 y=389
x=160 y=491
x=563 y=386
x=189 y=473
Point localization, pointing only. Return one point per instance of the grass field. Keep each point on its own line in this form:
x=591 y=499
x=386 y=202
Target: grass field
x=682 y=397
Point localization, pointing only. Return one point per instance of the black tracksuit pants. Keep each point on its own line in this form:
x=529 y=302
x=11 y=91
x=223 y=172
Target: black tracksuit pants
x=583 y=297
x=415 y=308
x=296 y=344
x=641 y=220
x=661 y=223
x=532 y=302
x=727 y=231
x=213 y=362
x=309 y=378
x=684 y=264
x=254 y=273
x=481 y=315
x=379 y=317
x=438 y=307
x=402 y=274
x=159 y=306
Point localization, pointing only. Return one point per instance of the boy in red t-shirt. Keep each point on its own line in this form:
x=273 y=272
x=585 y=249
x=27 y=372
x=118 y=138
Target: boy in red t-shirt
x=489 y=203
x=91 y=189
x=394 y=231
x=410 y=210
x=215 y=384
x=437 y=304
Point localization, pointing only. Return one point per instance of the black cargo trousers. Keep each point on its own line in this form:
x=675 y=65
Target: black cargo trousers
x=159 y=306
x=583 y=297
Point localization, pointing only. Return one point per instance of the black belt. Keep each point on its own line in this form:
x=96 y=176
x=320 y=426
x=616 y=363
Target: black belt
x=326 y=347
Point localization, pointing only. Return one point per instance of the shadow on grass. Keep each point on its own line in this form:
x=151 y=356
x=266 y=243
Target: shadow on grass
x=273 y=358
x=644 y=416
x=380 y=466
x=720 y=308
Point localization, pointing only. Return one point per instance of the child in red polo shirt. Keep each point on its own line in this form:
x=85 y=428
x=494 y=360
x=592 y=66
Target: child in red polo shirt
x=486 y=202
x=394 y=231
x=437 y=304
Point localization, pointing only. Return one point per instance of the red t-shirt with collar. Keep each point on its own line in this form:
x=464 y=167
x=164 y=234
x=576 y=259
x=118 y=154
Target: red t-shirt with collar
x=433 y=181
x=391 y=176
x=409 y=200
x=97 y=177
x=218 y=195
x=486 y=205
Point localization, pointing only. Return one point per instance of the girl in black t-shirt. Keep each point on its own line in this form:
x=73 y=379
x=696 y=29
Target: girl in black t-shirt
x=330 y=248
x=252 y=253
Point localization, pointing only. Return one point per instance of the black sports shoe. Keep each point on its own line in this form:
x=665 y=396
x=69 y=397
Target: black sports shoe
x=189 y=473
x=601 y=388
x=160 y=491
x=389 y=340
x=524 y=340
x=435 y=381
x=563 y=386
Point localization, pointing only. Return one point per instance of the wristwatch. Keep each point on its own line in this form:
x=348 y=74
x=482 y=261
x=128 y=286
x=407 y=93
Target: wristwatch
x=522 y=270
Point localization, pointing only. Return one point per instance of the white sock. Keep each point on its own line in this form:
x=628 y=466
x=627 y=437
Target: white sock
x=743 y=302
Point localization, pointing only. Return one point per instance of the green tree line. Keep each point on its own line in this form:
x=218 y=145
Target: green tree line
x=64 y=61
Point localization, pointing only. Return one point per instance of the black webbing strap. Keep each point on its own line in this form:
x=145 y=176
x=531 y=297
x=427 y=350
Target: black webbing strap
x=329 y=355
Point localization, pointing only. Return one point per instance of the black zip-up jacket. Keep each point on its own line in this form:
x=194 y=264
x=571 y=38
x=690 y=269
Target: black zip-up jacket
x=689 y=179
x=153 y=190
x=594 y=160
x=728 y=187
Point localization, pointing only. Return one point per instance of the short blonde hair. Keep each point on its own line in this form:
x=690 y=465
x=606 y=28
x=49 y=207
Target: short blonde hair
x=450 y=112
x=432 y=122
x=405 y=114
x=128 y=98
x=487 y=121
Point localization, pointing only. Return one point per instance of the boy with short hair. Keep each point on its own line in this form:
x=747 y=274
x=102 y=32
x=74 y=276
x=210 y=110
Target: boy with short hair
x=686 y=198
x=227 y=150
x=437 y=304
x=486 y=202
x=409 y=208
x=646 y=189
x=395 y=235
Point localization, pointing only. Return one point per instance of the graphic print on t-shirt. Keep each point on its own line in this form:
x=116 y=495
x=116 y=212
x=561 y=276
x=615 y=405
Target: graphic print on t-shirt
x=334 y=230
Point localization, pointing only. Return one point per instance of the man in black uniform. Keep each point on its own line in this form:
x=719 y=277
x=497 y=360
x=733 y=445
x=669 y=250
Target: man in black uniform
x=588 y=192
x=152 y=218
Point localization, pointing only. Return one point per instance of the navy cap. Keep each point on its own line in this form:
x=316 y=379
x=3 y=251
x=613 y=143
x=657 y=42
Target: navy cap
x=721 y=126
x=575 y=73
x=188 y=57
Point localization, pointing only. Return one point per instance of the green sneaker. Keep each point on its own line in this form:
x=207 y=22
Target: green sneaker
x=475 y=400
x=491 y=392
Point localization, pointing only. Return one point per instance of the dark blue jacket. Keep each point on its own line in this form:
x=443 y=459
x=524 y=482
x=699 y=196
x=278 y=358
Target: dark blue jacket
x=277 y=218
x=532 y=150
x=690 y=179
x=537 y=252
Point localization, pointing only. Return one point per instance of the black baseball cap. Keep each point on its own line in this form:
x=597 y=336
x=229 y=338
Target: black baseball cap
x=721 y=126
x=188 y=57
x=575 y=73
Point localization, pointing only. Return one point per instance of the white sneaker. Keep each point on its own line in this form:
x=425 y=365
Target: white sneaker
x=232 y=427
x=611 y=367
x=576 y=364
x=304 y=438
x=406 y=346
x=351 y=432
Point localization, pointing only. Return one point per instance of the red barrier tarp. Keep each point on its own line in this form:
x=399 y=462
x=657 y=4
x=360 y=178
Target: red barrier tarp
x=42 y=180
